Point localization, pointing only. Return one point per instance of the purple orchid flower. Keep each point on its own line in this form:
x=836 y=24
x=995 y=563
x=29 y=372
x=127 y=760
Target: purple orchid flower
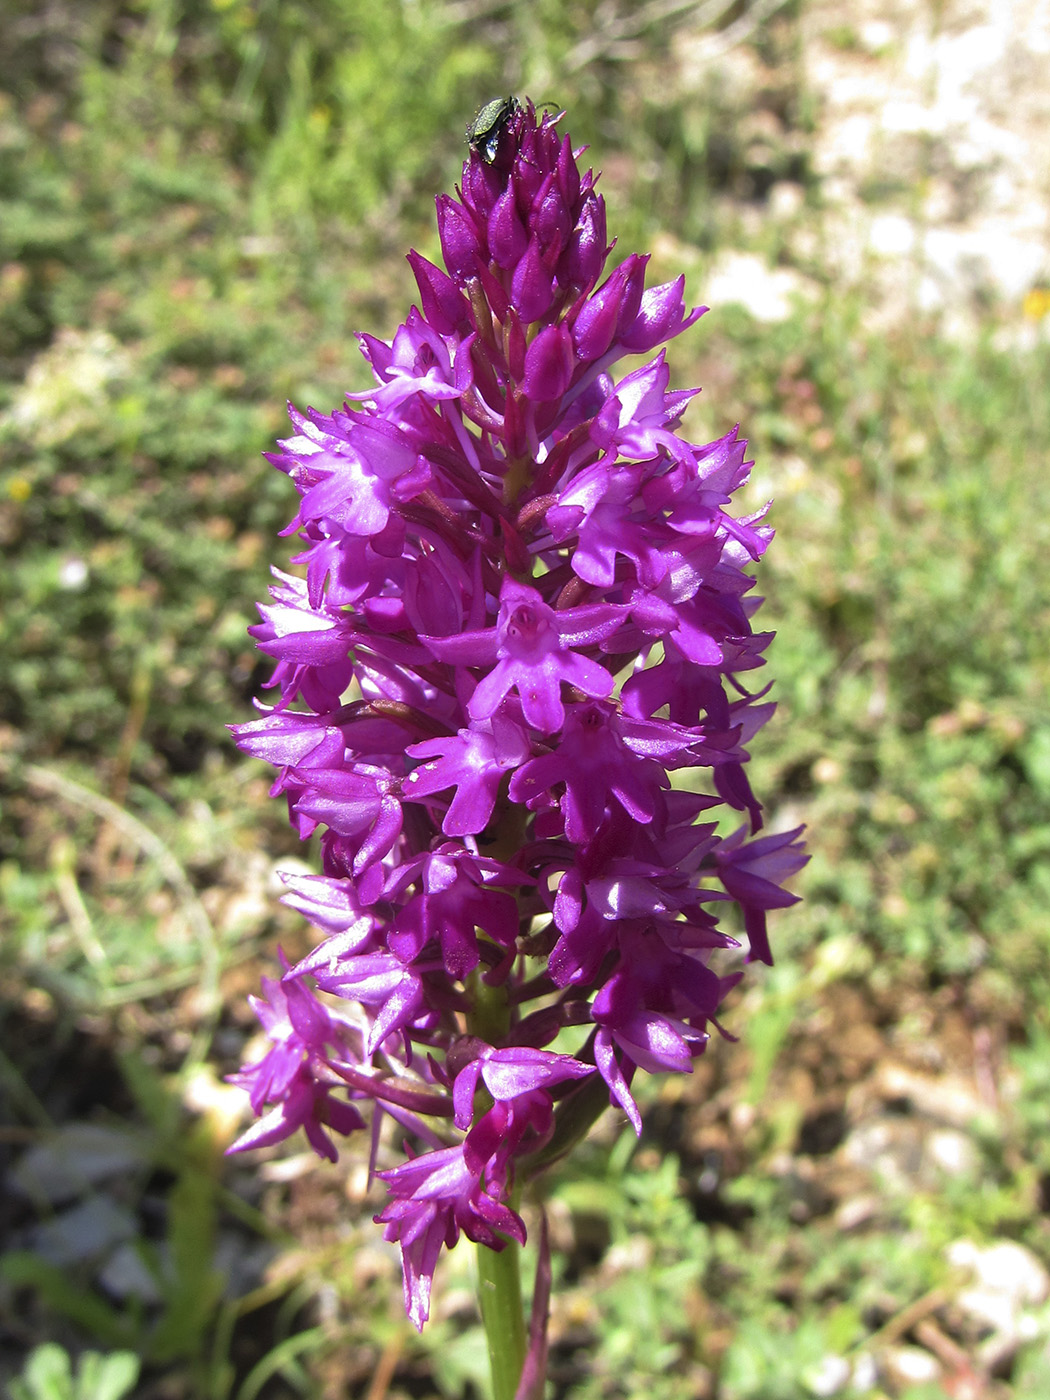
x=295 y=1074
x=433 y=1198
x=512 y=706
x=530 y=646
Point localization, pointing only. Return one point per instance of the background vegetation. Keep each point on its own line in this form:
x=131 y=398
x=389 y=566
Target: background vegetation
x=200 y=203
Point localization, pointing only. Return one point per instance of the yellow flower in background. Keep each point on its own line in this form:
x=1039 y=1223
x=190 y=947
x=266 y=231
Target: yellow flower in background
x=1036 y=303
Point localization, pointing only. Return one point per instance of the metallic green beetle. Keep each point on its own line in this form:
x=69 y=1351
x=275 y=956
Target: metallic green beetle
x=484 y=131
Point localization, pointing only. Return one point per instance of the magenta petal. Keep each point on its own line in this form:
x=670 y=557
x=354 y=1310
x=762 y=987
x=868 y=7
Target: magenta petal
x=588 y=248
x=271 y=1128
x=595 y=326
x=398 y=1009
x=460 y=245
x=283 y=738
x=587 y=675
x=660 y=316
x=605 y=1058
x=539 y=688
x=520 y=1069
x=531 y=285
x=444 y=305
x=549 y=365
x=466 y=649
x=491 y=690
x=508 y=238
x=471 y=807
x=463 y=1094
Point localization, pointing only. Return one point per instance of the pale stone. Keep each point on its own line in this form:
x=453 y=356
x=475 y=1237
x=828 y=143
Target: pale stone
x=865 y=1373
x=856 y=1211
x=744 y=279
x=947 y=1098
x=222 y=1104
x=892 y=235
x=785 y=200
x=125 y=1275
x=1008 y=1278
x=911 y=1366
x=74 y=1158
x=73 y=574
x=952 y=1152
x=890 y=1148
x=830 y=1376
x=876 y=35
x=88 y=1230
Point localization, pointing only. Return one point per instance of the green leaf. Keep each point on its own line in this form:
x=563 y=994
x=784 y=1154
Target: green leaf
x=24 y=1270
x=277 y=1359
x=107 y=1377
x=192 y=1295
x=47 y=1375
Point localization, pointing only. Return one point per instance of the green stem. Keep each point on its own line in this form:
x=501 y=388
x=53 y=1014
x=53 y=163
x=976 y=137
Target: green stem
x=489 y=1015
x=499 y=1293
x=499 y=1272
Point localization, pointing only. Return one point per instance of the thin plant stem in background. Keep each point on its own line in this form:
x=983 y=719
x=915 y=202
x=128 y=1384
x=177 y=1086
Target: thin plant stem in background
x=514 y=684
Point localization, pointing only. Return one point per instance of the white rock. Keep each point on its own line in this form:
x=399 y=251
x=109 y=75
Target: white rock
x=865 y=1373
x=892 y=235
x=73 y=573
x=629 y=1256
x=76 y=1157
x=88 y=1230
x=857 y=1211
x=952 y=1152
x=126 y=1276
x=911 y=1366
x=222 y=1104
x=1008 y=1279
x=785 y=200
x=945 y=1098
x=767 y=293
x=876 y=35
x=888 y=1147
x=828 y=1377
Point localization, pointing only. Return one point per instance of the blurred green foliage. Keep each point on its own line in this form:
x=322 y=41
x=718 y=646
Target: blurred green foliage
x=912 y=611
x=48 y=1375
x=199 y=204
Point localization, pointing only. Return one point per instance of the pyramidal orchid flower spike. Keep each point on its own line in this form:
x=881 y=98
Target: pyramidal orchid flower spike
x=513 y=693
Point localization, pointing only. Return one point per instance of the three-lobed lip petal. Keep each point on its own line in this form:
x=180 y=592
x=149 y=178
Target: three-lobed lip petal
x=532 y=646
